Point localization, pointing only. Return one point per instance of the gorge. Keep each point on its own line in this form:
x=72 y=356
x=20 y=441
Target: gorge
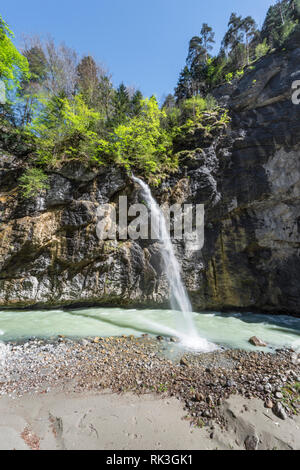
x=247 y=176
x=150 y=244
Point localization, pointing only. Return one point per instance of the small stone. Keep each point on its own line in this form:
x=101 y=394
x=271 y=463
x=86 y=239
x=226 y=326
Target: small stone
x=230 y=383
x=251 y=442
x=159 y=338
x=184 y=362
x=279 y=395
x=269 y=404
x=199 y=397
x=209 y=400
x=279 y=411
x=174 y=340
x=257 y=342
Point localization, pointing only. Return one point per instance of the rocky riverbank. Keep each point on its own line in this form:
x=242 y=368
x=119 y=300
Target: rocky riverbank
x=202 y=382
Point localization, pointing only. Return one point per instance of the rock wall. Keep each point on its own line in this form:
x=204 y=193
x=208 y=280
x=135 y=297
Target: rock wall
x=252 y=254
x=248 y=177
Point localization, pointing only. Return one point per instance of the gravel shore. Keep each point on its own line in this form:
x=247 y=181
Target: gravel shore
x=203 y=383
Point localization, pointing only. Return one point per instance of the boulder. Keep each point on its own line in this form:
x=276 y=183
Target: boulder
x=257 y=342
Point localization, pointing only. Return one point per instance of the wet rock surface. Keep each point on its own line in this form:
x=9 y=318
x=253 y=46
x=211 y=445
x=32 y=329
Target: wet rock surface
x=257 y=342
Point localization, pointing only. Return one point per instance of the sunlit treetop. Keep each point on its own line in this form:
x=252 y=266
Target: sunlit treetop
x=13 y=65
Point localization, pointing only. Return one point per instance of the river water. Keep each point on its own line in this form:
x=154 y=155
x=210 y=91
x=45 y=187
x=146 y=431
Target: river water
x=229 y=330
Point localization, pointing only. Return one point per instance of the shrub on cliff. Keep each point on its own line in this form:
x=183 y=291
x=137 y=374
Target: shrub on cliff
x=33 y=182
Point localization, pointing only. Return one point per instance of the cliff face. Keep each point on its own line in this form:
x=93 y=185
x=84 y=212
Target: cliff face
x=248 y=178
x=252 y=251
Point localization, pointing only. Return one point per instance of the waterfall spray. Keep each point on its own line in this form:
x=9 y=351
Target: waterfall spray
x=178 y=295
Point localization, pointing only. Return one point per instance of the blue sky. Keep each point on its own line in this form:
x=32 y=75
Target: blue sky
x=142 y=42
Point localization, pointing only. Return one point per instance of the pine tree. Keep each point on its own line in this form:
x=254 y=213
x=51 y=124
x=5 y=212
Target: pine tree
x=169 y=102
x=200 y=46
x=32 y=86
x=184 y=89
x=87 y=80
x=237 y=40
x=122 y=105
x=136 y=104
x=280 y=21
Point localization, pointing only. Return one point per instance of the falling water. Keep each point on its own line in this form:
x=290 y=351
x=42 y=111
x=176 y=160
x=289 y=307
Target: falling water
x=178 y=294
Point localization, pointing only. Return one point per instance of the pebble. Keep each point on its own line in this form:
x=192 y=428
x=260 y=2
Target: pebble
x=231 y=383
x=279 y=411
x=184 y=361
x=269 y=404
x=174 y=340
x=251 y=442
x=199 y=397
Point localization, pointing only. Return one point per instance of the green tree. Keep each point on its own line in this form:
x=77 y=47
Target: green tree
x=184 y=88
x=13 y=65
x=136 y=103
x=200 y=46
x=238 y=38
x=141 y=143
x=66 y=130
x=169 y=102
x=249 y=28
x=31 y=87
x=198 y=57
x=233 y=36
x=280 y=21
x=121 y=104
x=87 y=80
x=95 y=86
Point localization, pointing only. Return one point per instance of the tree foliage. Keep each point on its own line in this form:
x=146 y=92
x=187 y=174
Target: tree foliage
x=33 y=182
x=141 y=143
x=66 y=130
x=13 y=65
x=280 y=21
x=242 y=44
x=71 y=110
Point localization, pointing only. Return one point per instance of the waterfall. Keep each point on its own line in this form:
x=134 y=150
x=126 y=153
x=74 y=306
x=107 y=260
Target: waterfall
x=178 y=295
